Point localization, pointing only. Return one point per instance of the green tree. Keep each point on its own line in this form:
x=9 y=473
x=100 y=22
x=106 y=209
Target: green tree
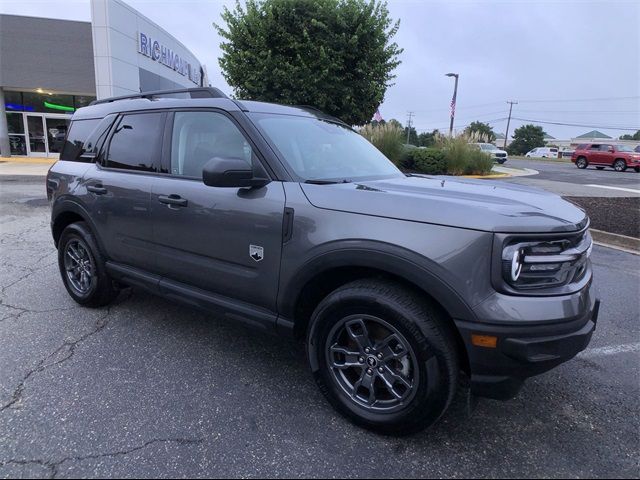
x=526 y=138
x=482 y=131
x=428 y=139
x=635 y=136
x=335 y=55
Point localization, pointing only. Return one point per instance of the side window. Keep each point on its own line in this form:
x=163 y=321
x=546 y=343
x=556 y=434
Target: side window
x=605 y=148
x=200 y=136
x=594 y=147
x=79 y=132
x=136 y=142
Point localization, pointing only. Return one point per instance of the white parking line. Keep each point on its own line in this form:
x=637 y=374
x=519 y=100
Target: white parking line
x=613 y=350
x=615 y=188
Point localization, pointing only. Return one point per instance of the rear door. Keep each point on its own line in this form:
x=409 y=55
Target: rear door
x=119 y=188
x=223 y=240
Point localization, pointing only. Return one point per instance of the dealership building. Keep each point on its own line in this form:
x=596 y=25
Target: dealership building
x=49 y=68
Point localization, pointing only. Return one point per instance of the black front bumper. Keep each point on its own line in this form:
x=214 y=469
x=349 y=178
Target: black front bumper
x=522 y=352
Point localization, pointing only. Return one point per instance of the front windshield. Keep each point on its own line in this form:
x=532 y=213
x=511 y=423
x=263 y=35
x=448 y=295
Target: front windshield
x=624 y=148
x=487 y=147
x=321 y=150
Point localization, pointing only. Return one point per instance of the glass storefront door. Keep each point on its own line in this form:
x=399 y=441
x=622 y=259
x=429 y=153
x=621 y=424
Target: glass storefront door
x=45 y=134
x=37 y=144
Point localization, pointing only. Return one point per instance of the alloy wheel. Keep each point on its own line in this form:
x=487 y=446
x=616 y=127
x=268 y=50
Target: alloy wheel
x=79 y=266
x=372 y=362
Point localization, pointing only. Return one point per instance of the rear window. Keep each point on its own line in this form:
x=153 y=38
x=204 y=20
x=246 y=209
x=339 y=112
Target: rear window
x=79 y=132
x=136 y=141
x=582 y=146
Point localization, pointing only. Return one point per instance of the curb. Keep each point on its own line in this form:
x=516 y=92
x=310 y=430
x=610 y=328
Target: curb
x=29 y=160
x=496 y=175
x=615 y=241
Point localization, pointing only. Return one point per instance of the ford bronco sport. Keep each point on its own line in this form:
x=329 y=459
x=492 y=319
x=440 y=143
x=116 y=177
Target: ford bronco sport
x=287 y=220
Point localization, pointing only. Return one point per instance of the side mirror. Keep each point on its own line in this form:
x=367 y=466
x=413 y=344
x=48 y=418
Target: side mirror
x=231 y=173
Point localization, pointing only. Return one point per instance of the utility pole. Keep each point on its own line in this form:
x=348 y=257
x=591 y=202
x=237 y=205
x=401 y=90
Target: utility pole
x=453 y=101
x=409 y=114
x=506 y=135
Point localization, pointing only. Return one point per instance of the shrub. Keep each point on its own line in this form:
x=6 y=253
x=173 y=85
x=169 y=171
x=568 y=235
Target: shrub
x=385 y=137
x=429 y=160
x=463 y=158
x=406 y=156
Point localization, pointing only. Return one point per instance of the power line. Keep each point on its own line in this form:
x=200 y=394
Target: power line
x=601 y=99
x=567 y=124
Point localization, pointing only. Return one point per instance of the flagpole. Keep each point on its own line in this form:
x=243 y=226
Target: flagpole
x=453 y=101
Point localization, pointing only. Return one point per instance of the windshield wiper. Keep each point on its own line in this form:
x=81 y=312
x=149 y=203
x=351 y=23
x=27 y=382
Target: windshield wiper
x=326 y=182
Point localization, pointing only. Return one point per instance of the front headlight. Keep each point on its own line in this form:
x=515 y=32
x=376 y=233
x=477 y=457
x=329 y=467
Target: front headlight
x=543 y=264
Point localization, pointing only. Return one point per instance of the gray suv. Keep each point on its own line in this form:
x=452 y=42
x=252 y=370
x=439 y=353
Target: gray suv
x=403 y=287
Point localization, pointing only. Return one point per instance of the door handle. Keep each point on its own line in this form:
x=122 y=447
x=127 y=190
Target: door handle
x=173 y=200
x=97 y=189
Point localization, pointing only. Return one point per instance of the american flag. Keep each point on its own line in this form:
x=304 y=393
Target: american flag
x=376 y=116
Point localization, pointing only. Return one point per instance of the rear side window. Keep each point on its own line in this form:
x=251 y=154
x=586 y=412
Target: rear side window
x=79 y=132
x=136 y=141
x=594 y=147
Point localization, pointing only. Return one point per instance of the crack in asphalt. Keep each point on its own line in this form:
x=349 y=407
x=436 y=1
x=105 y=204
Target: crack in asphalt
x=53 y=466
x=42 y=365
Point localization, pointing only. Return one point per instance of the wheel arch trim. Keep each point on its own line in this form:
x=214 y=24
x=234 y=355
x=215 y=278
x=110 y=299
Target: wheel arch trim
x=386 y=258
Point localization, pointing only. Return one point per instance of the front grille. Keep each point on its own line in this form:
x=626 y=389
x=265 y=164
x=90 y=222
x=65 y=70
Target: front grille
x=501 y=155
x=546 y=264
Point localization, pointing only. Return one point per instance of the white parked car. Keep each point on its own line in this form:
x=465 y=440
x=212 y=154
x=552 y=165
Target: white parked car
x=543 y=152
x=498 y=155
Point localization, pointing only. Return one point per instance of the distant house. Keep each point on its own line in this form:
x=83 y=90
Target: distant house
x=593 y=135
x=500 y=140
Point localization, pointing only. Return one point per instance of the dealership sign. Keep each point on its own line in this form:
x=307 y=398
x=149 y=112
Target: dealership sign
x=164 y=55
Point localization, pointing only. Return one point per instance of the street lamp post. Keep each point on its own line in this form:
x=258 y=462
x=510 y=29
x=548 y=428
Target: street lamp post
x=453 y=101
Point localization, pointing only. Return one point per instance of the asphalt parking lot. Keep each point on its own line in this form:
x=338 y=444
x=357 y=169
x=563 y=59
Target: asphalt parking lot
x=148 y=388
x=564 y=178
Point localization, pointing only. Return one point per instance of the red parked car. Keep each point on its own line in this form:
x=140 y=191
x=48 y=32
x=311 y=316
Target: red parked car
x=602 y=155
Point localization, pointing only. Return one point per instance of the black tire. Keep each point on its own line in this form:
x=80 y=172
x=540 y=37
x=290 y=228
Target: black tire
x=97 y=289
x=429 y=362
x=637 y=169
x=619 y=165
x=600 y=168
x=582 y=163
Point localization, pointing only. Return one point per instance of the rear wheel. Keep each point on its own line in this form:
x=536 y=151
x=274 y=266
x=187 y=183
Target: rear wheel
x=620 y=165
x=383 y=357
x=83 y=268
x=582 y=163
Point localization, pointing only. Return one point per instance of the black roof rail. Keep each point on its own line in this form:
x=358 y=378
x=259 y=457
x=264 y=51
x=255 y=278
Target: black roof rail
x=199 y=92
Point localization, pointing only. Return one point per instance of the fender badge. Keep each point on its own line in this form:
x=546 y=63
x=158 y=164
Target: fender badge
x=256 y=252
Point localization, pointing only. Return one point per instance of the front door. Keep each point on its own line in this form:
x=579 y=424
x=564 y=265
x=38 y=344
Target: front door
x=223 y=240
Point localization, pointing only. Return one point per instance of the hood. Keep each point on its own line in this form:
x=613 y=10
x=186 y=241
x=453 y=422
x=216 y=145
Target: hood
x=458 y=202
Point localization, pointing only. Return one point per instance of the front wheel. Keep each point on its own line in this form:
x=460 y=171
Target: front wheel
x=619 y=165
x=582 y=163
x=383 y=357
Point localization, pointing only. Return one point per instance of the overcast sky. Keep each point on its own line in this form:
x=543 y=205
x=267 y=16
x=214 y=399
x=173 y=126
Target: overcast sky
x=563 y=61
